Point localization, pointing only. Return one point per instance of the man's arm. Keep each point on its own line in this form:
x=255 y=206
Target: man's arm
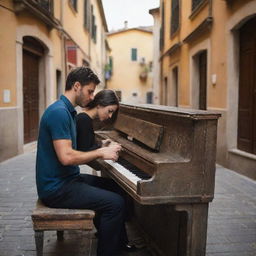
x=68 y=156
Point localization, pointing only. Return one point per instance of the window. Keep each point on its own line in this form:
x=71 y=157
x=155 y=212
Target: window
x=161 y=41
x=72 y=54
x=111 y=63
x=73 y=4
x=94 y=29
x=175 y=16
x=196 y=3
x=149 y=97
x=134 y=54
x=46 y=5
x=93 y=26
x=87 y=14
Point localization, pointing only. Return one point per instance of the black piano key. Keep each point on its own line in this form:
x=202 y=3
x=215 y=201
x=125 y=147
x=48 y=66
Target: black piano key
x=132 y=168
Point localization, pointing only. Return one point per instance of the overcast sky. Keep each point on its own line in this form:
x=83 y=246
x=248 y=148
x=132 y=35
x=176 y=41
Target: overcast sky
x=134 y=11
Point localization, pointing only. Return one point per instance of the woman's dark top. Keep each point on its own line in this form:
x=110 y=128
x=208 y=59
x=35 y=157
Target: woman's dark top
x=85 y=133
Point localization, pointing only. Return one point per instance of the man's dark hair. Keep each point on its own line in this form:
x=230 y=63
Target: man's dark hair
x=83 y=75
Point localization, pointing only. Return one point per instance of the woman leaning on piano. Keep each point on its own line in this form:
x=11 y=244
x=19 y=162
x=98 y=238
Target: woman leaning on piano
x=104 y=106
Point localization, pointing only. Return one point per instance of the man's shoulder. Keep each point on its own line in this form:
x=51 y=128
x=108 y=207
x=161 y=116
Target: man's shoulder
x=57 y=110
x=57 y=107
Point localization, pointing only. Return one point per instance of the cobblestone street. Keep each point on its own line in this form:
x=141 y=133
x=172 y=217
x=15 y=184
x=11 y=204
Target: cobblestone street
x=231 y=226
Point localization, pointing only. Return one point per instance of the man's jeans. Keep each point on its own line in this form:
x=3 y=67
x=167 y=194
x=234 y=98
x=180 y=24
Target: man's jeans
x=103 y=196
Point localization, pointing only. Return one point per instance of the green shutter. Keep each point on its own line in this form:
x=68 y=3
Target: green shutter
x=134 y=54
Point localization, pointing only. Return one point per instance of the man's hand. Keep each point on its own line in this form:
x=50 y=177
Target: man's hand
x=111 y=152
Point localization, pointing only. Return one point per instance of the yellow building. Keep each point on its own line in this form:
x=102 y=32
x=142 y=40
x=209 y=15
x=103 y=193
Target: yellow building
x=208 y=56
x=131 y=63
x=39 y=42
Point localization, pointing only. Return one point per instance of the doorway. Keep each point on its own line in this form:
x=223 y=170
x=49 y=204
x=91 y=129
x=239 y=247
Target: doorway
x=202 y=69
x=199 y=79
x=175 y=86
x=246 y=139
x=32 y=52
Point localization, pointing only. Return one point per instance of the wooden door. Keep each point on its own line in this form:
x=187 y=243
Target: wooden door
x=202 y=62
x=175 y=73
x=165 y=96
x=30 y=95
x=246 y=140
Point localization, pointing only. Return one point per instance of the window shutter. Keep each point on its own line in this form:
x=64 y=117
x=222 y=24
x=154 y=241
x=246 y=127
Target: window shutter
x=134 y=54
x=175 y=16
x=91 y=20
x=195 y=3
x=74 y=4
x=95 y=34
x=162 y=28
x=85 y=13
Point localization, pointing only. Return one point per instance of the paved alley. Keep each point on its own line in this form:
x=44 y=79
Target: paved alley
x=231 y=225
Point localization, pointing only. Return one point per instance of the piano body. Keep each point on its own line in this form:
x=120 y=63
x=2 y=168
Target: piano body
x=172 y=152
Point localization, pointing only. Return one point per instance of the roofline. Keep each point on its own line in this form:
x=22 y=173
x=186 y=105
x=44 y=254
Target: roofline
x=129 y=29
x=155 y=10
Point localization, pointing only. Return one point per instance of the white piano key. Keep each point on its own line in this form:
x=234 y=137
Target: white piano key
x=125 y=172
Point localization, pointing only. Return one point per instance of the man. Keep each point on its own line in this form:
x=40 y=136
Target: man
x=58 y=179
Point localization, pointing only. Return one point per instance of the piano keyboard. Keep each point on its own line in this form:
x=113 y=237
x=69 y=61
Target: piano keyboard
x=128 y=170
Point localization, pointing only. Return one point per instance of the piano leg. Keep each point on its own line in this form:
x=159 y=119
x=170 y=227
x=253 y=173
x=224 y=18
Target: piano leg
x=195 y=227
x=173 y=230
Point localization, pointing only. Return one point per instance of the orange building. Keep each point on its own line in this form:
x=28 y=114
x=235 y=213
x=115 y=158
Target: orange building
x=207 y=61
x=39 y=42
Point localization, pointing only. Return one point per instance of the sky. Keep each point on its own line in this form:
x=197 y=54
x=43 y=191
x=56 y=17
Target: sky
x=133 y=11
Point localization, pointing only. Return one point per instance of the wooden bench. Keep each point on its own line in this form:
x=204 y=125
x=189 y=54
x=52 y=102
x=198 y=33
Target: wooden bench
x=45 y=218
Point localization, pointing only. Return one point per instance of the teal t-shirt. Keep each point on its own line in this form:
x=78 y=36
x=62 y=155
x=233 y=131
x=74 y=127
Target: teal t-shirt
x=57 y=122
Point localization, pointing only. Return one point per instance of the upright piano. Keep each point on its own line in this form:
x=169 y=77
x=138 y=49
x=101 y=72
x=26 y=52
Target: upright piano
x=167 y=166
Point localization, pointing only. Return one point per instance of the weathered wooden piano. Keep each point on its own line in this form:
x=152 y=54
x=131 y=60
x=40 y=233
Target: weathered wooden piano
x=168 y=167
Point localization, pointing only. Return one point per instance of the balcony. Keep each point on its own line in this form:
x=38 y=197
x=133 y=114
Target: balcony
x=41 y=9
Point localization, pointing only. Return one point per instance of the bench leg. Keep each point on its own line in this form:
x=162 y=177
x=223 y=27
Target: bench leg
x=60 y=235
x=39 y=239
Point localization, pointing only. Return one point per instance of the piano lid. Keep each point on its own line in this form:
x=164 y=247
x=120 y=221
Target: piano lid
x=175 y=111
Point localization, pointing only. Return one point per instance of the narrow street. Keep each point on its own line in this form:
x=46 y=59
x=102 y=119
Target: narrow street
x=231 y=229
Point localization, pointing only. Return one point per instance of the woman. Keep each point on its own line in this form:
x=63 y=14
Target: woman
x=104 y=106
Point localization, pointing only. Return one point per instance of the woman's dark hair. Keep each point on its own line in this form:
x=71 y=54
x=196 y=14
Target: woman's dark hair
x=104 y=98
x=83 y=75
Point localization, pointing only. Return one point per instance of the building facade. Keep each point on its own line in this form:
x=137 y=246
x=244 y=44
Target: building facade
x=207 y=61
x=156 y=54
x=40 y=41
x=131 y=64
